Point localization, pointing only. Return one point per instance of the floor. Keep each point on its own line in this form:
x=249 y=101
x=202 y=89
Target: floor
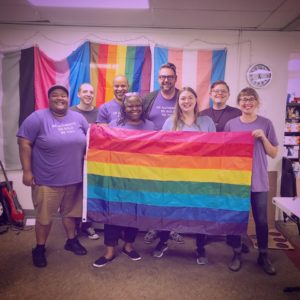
x=174 y=276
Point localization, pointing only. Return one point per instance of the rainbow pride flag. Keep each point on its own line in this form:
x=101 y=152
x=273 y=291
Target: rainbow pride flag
x=195 y=68
x=107 y=61
x=189 y=182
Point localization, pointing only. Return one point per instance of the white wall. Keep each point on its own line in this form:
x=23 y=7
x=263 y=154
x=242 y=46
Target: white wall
x=244 y=49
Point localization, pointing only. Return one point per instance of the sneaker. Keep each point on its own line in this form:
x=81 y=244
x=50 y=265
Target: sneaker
x=265 y=263
x=133 y=255
x=201 y=257
x=176 y=237
x=38 y=257
x=91 y=233
x=202 y=260
x=236 y=262
x=160 y=249
x=74 y=246
x=150 y=236
x=102 y=261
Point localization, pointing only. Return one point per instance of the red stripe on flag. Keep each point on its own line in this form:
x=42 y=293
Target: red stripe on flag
x=102 y=61
x=171 y=143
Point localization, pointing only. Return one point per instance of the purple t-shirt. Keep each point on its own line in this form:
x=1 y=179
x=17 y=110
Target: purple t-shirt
x=58 y=146
x=260 y=180
x=108 y=112
x=147 y=125
x=222 y=116
x=161 y=110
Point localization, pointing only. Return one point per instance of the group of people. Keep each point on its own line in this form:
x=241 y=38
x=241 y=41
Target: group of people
x=52 y=147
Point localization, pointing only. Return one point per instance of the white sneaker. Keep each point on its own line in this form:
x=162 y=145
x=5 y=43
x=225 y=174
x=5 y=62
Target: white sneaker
x=176 y=237
x=91 y=233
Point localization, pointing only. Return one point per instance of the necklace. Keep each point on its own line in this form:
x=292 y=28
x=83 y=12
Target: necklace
x=217 y=116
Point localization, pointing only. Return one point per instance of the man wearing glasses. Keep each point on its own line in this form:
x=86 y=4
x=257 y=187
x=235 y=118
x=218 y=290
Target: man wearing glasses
x=220 y=112
x=159 y=105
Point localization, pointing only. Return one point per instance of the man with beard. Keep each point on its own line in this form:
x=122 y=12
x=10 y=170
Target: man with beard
x=159 y=105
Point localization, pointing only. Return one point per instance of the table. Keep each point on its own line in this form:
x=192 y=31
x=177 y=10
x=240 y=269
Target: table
x=290 y=207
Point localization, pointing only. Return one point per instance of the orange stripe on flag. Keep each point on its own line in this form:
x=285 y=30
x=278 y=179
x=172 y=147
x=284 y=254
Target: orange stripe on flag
x=170 y=161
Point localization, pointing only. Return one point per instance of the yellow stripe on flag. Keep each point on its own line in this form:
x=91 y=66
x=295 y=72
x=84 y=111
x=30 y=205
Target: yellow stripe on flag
x=170 y=174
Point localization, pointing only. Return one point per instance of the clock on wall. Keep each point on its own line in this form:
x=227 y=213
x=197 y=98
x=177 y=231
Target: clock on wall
x=259 y=75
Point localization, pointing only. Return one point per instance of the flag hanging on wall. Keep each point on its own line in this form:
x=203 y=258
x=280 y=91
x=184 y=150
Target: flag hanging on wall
x=71 y=72
x=107 y=61
x=195 y=68
x=189 y=182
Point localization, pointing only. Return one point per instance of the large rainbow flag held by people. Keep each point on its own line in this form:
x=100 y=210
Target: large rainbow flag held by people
x=190 y=182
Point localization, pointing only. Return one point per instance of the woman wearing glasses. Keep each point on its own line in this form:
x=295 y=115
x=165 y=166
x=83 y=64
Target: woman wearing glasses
x=184 y=118
x=265 y=144
x=132 y=116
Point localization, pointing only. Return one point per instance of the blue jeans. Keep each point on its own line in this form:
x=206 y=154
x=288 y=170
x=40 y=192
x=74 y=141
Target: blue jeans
x=259 y=204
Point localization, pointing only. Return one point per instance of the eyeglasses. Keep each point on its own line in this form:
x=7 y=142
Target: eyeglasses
x=220 y=91
x=164 y=77
x=250 y=99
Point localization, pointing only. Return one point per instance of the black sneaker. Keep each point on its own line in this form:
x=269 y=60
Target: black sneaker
x=38 y=257
x=133 y=255
x=160 y=249
x=102 y=261
x=74 y=246
x=265 y=263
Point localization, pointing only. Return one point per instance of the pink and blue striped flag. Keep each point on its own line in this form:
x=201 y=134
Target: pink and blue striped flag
x=195 y=68
x=185 y=181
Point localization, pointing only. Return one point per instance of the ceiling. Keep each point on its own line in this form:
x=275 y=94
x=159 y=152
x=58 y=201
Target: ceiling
x=273 y=15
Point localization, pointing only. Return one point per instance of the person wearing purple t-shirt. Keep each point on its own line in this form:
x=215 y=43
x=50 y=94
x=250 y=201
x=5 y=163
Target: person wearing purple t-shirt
x=265 y=144
x=159 y=106
x=132 y=117
x=52 y=145
x=110 y=111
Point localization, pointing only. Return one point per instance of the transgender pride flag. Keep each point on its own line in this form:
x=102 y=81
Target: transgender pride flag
x=195 y=68
x=184 y=181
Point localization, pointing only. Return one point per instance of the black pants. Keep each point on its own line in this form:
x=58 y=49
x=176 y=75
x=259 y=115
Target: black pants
x=164 y=236
x=112 y=234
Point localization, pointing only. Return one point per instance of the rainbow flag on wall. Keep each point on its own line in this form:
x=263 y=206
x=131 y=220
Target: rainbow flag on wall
x=195 y=68
x=185 y=181
x=107 y=61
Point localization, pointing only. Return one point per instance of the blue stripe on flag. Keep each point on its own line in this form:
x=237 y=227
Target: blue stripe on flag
x=79 y=65
x=160 y=57
x=170 y=200
x=138 y=67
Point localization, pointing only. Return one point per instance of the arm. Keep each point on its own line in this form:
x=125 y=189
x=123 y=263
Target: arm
x=25 y=150
x=270 y=149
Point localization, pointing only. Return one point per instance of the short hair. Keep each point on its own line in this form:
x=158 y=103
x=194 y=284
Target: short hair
x=217 y=82
x=248 y=91
x=83 y=84
x=168 y=65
